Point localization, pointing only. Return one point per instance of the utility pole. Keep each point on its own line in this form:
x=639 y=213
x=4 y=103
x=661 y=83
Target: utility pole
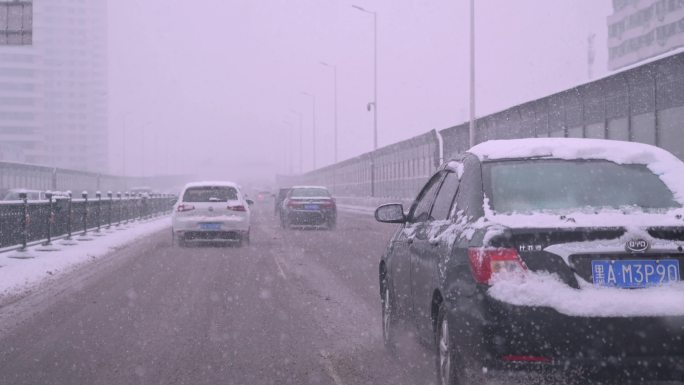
x=334 y=67
x=471 y=130
x=591 y=55
x=374 y=103
x=301 y=139
x=313 y=99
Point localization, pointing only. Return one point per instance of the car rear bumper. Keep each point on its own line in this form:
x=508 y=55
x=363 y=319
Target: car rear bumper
x=310 y=217
x=507 y=337
x=225 y=224
x=211 y=236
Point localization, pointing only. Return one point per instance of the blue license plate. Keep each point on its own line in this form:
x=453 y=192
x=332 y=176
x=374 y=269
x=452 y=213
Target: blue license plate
x=311 y=207
x=210 y=226
x=634 y=273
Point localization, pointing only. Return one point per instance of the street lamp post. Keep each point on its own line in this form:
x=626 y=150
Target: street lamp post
x=123 y=149
x=471 y=128
x=374 y=103
x=301 y=139
x=289 y=154
x=334 y=67
x=313 y=99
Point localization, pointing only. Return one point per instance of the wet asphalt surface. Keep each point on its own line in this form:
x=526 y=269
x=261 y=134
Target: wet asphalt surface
x=294 y=307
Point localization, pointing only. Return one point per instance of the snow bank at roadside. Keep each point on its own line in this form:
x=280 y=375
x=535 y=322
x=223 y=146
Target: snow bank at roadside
x=546 y=290
x=19 y=275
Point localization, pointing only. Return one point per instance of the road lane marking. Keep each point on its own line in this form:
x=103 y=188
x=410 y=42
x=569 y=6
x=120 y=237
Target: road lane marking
x=330 y=369
x=280 y=269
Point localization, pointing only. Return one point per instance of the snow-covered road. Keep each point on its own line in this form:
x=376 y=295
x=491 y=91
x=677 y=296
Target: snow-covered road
x=295 y=307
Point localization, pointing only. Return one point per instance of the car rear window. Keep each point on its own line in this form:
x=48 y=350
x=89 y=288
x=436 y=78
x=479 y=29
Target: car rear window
x=310 y=192
x=210 y=194
x=552 y=184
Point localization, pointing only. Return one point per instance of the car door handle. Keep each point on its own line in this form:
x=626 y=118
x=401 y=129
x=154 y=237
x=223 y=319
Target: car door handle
x=409 y=241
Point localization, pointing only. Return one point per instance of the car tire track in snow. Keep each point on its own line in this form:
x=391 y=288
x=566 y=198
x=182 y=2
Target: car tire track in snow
x=330 y=369
x=280 y=269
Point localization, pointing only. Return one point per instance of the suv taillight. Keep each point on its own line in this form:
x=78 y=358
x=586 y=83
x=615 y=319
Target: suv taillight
x=292 y=204
x=237 y=208
x=183 y=207
x=485 y=262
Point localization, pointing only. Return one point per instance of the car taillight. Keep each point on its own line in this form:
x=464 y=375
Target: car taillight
x=328 y=204
x=292 y=203
x=183 y=207
x=237 y=208
x=485 y=262
x=514 y=358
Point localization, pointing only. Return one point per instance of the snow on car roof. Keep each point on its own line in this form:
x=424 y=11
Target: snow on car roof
x=570 y=148
x=323 y=187
x=662 y=163
x=211 y=183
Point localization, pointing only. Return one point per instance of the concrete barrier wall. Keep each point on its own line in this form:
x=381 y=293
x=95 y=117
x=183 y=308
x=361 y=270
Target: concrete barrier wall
x=644 y=104
x=35 y=177
x=398 y=170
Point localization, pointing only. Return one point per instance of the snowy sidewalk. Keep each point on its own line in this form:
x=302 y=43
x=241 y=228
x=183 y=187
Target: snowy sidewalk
x=20 y=271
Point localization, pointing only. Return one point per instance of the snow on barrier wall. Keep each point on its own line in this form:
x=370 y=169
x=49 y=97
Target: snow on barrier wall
x=644 y=104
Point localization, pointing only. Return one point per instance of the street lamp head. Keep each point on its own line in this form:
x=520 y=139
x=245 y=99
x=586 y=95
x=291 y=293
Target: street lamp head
x=363 y=9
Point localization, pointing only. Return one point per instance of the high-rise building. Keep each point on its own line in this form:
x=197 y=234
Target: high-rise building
x=640 y=29
x=53 y=93
x=20 y=97
x=16 y=22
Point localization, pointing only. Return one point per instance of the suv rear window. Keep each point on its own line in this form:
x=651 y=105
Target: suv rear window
x=552 y=184
x=210 y=194
x=310 y=192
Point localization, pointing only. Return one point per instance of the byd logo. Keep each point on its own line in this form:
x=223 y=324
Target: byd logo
x=637 y=245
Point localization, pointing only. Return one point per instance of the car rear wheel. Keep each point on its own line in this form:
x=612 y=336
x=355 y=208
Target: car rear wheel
x=389 y=320
x=332 y=223
x=180 y=242
x=176 y=240
x=453 y=368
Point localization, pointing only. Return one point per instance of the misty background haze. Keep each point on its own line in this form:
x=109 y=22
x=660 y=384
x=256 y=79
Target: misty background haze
x=207 y=88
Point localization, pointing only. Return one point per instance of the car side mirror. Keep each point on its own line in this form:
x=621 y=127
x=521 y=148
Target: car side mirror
x=390 y=213
x=250 y=202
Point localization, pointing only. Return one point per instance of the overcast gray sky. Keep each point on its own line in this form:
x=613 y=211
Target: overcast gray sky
x=211 y=82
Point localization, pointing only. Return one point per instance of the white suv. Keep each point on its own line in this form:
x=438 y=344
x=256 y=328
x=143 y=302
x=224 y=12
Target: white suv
x=211 y=212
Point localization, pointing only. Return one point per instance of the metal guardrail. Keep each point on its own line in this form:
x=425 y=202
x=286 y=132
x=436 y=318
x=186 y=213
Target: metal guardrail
x=24 y=222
